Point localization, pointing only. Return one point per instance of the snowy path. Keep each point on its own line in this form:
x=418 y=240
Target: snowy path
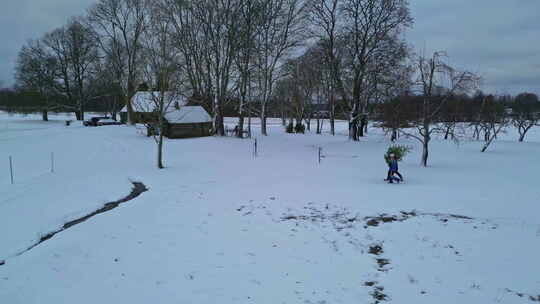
x=138 y=189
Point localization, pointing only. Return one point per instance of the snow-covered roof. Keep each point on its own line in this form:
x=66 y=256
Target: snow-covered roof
x=143 y=101
x=192 y=114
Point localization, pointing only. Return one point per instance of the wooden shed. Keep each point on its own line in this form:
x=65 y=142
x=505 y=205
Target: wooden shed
x=188 y=121
x=144 y=106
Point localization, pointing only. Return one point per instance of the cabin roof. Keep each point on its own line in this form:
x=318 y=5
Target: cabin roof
x=188 y=114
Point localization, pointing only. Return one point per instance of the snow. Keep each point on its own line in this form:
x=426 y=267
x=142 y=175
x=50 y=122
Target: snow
x=188 y=114
x=221 y=226
x=106 y=120
x=143 y=101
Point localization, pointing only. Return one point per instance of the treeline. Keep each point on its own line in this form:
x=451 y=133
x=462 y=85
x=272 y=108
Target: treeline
x=294 y=59
x=239 y=56
x=405 y=111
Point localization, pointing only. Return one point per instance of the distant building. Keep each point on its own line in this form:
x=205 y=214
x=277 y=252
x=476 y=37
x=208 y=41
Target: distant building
x=188 y=121
x=181 y=121
x=144 y=106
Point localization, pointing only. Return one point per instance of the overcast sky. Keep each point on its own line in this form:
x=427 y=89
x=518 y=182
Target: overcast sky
x=498 y=39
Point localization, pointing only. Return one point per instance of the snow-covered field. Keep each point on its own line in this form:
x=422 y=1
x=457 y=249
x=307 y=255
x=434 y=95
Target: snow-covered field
x=220 y=226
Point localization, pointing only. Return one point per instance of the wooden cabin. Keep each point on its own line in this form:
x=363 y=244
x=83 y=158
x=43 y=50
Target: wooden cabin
x=143 y=106
x=187 y=122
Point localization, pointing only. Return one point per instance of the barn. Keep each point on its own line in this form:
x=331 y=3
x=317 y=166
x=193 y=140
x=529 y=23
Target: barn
x=186 y=122
x=143 y=106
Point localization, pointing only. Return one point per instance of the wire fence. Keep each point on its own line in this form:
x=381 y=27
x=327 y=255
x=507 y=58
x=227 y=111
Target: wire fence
x=21 y=169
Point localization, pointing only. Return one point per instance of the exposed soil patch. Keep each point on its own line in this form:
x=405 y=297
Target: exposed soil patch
x=138 y=189
x=379 y=295
x=376 y=249
x=525 y=296
x=374 y=221
x=340 y=218
x=370 y=283
x=343 y=218
x=382 y=263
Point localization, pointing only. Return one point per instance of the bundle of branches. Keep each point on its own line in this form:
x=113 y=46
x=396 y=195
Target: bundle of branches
x=399 y=152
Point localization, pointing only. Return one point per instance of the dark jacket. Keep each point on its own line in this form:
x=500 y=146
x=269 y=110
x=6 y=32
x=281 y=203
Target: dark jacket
x=393 y=165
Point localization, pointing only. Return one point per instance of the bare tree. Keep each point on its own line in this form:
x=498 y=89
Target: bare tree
x=282 y=29
x=57 y=45
x=369 y=25
x=219 y=23
x=525 y=113
x=107 y=89
x=493 y=119
x=438 y=82
x=75 y=52
x=120 y=25
x=190 y=41
x=303 y=81
x=36 y=71
x=360 y=28
x=324 y=15
x=250 y=14
x=162 y=69
x=83 y=55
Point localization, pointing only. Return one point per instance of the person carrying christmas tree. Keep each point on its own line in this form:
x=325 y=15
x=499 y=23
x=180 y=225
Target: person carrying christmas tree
x=393 y=170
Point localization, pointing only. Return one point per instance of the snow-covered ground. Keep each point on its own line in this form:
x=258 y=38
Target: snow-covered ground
x=220 y=226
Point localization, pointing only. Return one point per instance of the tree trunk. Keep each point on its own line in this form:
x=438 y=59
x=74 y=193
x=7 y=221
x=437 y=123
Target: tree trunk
x=81 y=111
x=354 y=130
x=240 y=133
x=160 y=150
x=219 y=128
x=45 y=115
x=425 y=143
x=129 y=107
x=263 y=120
x=332 y=121
x=363 y=126
x=249 y=123
x=476 y=132
x=492 y=138
x=283 y=115
x=366 y=127
x=523 y=132
x=425 y=151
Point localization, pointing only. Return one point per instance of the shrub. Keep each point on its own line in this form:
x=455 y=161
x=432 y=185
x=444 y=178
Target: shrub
x=290 y=128
x=398 y=150
x=300 y=128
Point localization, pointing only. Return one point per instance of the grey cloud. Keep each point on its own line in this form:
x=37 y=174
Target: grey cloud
x=21 y=20
x=499 y=39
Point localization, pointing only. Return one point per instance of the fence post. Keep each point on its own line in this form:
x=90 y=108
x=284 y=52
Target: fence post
x=52 y=162
x=11 y=168
x=255 y=147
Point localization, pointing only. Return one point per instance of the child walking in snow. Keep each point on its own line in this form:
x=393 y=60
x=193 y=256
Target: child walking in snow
x=393 y=170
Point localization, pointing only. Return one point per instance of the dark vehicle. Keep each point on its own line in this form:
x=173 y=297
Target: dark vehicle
x=92 y=122
x=100 y=121
x=108 y=122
